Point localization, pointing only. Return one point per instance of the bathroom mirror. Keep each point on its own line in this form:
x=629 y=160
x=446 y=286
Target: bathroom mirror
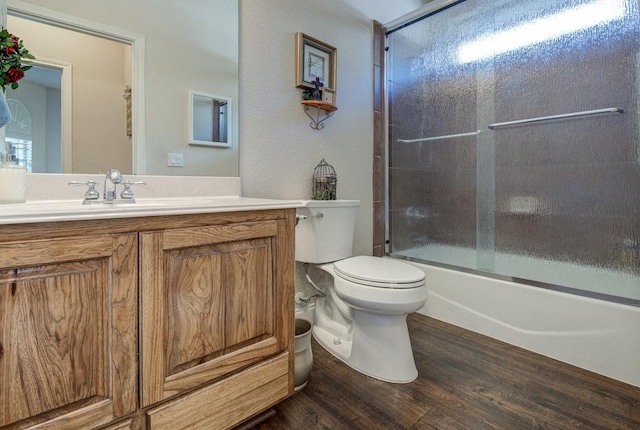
x=184 y=48
x=209 y=119
x=74 y=97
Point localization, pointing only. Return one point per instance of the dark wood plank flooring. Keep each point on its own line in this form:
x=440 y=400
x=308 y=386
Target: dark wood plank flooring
x=467 y=381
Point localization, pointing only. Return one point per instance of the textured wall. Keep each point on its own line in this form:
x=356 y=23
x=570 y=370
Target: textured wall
x=279 y=150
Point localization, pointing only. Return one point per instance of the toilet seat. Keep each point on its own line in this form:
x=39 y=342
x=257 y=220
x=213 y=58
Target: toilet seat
x=379 y=272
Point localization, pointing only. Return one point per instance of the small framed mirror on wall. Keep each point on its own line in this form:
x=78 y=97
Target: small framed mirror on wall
x=209 y=120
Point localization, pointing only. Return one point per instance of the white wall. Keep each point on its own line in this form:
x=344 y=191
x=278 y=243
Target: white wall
x=279 y=149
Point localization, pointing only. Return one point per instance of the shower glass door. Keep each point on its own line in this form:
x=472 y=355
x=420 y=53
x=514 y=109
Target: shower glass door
x=513 y=141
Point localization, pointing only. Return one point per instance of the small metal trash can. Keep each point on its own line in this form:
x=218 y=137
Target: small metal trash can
x=303 y=357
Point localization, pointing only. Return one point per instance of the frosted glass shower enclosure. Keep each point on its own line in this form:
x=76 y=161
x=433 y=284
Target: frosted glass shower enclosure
x=513 y=141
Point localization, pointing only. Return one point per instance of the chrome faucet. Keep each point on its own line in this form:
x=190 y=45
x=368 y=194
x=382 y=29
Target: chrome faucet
x=112 y=178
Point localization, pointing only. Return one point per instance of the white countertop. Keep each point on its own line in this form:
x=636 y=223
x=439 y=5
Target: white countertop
x=73 y=210
x=163 y=196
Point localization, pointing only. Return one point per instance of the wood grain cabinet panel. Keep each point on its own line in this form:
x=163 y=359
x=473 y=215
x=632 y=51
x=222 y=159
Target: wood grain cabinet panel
x=194 y=308
x=208 y=303
x=68 y=331
x=248 y=273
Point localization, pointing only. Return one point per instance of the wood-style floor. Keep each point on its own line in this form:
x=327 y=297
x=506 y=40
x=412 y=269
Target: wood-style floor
x=467 y=381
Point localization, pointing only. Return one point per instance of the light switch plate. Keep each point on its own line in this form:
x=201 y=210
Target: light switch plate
x=176 y=159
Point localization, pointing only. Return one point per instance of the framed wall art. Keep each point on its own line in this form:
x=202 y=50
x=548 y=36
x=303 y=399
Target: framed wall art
x=315 y=59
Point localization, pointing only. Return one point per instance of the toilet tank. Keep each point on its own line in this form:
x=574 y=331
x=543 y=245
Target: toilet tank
x=326 y=234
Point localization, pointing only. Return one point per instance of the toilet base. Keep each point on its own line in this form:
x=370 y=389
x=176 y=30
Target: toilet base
x=378 y=346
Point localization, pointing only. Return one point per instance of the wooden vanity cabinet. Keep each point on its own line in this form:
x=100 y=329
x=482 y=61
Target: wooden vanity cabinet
x=165 y=322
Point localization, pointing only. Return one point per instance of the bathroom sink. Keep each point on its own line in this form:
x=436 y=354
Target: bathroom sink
x=51 y=199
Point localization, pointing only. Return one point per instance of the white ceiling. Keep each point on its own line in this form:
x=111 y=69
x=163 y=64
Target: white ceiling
x=385 y=11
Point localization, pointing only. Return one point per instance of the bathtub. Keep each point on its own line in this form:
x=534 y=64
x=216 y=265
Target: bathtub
x=596 y=335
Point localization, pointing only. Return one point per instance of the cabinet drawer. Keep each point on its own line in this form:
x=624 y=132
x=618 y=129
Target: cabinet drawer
x=226 y=403
x=124 y=425
x=137 y=422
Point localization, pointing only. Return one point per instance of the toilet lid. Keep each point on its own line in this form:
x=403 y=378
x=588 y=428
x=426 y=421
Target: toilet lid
x=379 y=272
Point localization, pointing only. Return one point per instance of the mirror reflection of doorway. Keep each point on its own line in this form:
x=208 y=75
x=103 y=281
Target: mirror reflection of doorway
x=35 y=130
x=209 y=119
x=93 y=124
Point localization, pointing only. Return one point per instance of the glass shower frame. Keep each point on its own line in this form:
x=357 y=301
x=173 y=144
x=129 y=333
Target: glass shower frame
x=504 y=204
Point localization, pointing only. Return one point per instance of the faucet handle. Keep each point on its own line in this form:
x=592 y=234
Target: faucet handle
x=91 y=193
x=127 y=192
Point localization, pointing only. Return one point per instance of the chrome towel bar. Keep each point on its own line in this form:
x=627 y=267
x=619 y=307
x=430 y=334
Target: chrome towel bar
x=552 y=117
x=448 y=136
x=520 y=121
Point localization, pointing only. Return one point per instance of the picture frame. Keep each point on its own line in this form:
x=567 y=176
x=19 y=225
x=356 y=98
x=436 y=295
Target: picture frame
x=328 y=96
x=315 y=59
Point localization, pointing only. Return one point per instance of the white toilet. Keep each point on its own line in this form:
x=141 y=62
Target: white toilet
x=362 y=319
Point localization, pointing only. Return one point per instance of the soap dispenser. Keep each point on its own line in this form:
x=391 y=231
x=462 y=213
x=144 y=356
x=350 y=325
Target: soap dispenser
x=13 y=179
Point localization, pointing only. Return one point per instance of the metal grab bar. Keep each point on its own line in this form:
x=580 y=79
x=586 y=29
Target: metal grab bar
x=552 y=117
x=448 y=136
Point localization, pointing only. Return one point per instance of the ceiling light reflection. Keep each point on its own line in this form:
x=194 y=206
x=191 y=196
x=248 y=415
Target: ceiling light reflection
x=540 y=30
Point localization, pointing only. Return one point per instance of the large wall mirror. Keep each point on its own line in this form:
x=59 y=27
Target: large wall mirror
x=116 y=75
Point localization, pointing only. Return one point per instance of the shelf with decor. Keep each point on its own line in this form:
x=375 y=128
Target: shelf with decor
x=320 y=107
x=316 y=75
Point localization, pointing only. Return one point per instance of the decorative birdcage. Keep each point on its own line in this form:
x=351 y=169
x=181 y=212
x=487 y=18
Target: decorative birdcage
x=324 y=182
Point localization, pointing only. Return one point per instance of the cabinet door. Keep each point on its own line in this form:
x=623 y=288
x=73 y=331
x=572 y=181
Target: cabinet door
x=214 y=300
x=68 y=331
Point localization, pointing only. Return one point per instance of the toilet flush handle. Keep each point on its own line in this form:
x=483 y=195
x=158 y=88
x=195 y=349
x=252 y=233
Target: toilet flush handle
x=299 y=218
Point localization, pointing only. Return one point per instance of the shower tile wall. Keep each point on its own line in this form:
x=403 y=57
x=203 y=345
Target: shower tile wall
x=379 y=159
